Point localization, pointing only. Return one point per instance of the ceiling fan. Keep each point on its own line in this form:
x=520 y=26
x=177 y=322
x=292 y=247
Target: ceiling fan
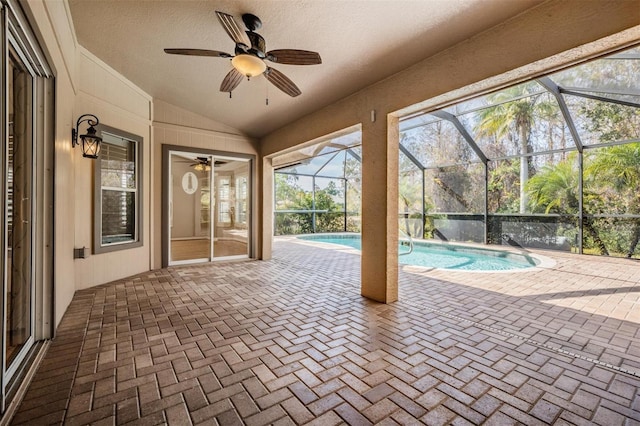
x=250 y=54
x=201 y=164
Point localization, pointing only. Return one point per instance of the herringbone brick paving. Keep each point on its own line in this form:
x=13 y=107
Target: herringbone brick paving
x=291 y=341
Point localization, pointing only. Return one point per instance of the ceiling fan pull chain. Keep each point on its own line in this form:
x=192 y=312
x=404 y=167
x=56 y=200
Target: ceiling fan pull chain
x=230 y=95
x=266 y=85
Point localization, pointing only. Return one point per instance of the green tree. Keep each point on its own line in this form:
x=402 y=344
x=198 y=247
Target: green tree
x=611 y=122
x=290 y=195
x=513 y=116
x=352 y=173
x=554 y=190
x=614 y=172
x=619 y=166
x=331 y=200
x=502 y=185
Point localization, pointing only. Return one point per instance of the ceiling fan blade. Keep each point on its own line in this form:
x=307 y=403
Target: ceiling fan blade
x=294 y=57
x=231 y=81
x=198 y=52
x=231 y=27
x=282 y=82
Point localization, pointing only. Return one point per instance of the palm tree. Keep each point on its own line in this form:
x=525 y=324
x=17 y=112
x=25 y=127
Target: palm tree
x=619 y=165
x=554 y=190
x=513 y=118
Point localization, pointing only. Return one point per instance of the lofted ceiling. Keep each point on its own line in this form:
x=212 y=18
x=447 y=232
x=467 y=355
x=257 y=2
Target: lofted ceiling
x=360 y=42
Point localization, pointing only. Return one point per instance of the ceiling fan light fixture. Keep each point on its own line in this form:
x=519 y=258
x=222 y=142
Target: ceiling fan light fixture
x=200 y=167
x=248 y=65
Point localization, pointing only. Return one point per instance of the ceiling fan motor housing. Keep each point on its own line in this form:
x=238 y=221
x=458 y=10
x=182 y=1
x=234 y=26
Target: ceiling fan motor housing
x=258 y=45
x=251 y=21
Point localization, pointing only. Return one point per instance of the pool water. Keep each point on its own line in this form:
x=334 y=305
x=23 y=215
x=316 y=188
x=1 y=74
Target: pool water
x=443 y=255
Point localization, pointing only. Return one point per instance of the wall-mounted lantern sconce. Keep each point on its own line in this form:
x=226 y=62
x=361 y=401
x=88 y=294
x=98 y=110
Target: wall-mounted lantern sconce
x=90 y=142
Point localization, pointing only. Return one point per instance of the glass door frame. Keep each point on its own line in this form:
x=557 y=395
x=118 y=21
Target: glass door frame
x=231 y=158
x=11 y=366
x=167 y=152
x=17 y=40
x=209 y=175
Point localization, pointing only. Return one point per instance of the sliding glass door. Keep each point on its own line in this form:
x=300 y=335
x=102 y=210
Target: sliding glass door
x=189 y=208
x=207 y=207
x=26 y=183
x=230 y=208
x=18 y=204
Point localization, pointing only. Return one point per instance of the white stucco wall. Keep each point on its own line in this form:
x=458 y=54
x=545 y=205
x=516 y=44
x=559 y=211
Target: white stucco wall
x=120 y=104
x=52 y=24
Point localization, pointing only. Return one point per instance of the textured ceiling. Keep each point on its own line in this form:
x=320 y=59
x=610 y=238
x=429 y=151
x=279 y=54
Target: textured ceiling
x=361 y=42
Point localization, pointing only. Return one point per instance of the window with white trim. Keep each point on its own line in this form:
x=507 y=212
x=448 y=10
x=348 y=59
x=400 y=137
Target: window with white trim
x=118 y=192
x=224 y=192
x=241 y=200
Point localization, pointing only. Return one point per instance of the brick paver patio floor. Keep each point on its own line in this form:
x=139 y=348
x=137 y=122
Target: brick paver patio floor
x=291 y=341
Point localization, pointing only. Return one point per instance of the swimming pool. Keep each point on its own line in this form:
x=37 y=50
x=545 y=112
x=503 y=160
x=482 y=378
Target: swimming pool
x=442 y=255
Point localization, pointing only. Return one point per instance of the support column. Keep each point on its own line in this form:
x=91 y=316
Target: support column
x=266 y=230
x=379 y=269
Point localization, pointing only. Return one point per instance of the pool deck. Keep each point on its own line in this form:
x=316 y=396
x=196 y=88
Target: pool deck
x=291 y=341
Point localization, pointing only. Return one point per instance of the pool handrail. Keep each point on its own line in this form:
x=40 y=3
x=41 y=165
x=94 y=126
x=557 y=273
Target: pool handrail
x=410 y=243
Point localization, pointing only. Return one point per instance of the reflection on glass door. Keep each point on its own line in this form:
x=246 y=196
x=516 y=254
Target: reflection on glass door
x=208 y=207
x=18 y=199
x=231 y=184
x=189 y=208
